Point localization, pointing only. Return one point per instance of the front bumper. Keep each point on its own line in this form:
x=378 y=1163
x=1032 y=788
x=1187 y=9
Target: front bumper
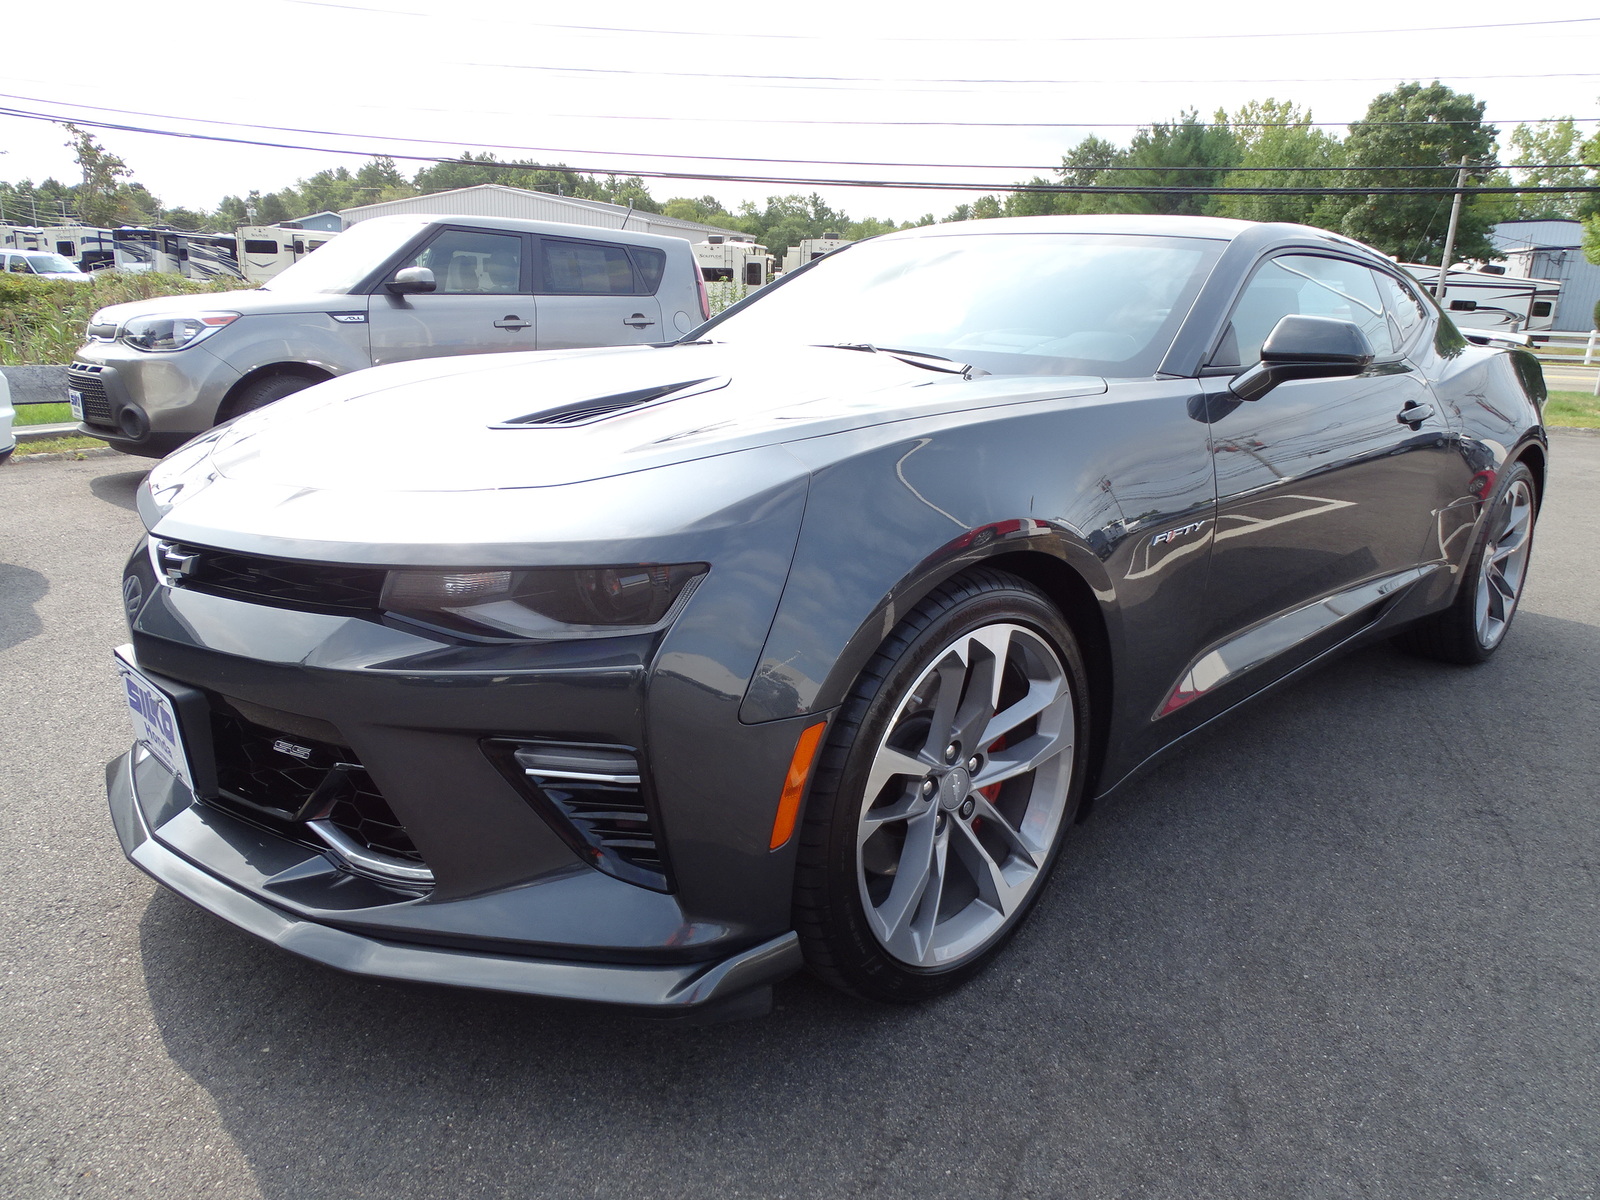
x=148 y=404
x=146 y=800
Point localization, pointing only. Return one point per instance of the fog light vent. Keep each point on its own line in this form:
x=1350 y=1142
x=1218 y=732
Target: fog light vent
x=592 y=796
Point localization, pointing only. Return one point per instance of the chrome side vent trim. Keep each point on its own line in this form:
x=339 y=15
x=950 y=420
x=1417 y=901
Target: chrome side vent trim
x=597 y=408
x=593 y=796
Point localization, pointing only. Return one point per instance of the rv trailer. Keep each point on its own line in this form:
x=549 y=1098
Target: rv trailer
x=1490 y=299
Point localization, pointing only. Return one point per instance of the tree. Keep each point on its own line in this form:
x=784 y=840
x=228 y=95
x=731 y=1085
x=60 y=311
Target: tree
x=1417 y=126
x=472 y=170
x=1083 y=166
x=707 y=210
x=104 y=198
x=1033 y=203
x=1185 y=153
x=1548 y=142
x=1276 y=133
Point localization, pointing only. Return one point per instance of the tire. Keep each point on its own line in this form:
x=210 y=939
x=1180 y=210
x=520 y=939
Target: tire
x=933 y=823
x=261 y=392
x=1475 y=624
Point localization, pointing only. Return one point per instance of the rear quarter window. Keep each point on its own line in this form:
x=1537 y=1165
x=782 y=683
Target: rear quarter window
x=651 y=265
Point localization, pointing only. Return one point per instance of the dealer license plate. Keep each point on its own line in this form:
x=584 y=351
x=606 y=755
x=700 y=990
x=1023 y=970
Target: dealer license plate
x=155 y=722
x=75 y=399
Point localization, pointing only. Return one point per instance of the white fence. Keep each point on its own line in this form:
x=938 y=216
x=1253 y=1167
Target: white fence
x=1571 y=360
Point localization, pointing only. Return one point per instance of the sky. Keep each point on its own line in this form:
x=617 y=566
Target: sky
x=958 y=93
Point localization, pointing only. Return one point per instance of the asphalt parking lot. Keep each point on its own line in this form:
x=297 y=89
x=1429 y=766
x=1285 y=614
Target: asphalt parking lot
x=1347 y=944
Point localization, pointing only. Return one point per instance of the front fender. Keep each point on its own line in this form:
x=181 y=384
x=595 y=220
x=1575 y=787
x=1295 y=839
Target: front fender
x=893 y=513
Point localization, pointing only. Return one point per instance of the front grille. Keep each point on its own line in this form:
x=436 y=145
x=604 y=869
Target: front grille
x=85 y=379
x=316 y=587
x=292 y=778
x=593 y=796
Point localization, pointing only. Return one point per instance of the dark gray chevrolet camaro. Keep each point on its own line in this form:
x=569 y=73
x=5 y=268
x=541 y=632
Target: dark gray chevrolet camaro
x=649 y=675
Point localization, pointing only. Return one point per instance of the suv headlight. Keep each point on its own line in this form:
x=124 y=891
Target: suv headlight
x=548 y=602
x=173 y=331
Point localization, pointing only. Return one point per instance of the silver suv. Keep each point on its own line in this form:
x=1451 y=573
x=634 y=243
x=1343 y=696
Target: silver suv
x=156 y=372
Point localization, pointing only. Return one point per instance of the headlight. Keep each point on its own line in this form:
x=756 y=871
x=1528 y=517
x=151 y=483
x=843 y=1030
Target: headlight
x=172 y=331
x=549 y=602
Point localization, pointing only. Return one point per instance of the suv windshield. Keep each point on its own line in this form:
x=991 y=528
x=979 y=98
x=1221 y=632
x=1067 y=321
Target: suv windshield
x=348 y=259
x=50 y=264
x=1011 y=303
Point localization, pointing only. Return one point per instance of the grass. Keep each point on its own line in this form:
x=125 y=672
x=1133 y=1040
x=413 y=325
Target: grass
x=42 y=414
x=1573 y=410
x=59 y=445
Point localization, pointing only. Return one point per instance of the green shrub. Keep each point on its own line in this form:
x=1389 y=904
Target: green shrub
x=42 y=320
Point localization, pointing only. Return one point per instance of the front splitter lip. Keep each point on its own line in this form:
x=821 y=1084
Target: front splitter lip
x=680 y=988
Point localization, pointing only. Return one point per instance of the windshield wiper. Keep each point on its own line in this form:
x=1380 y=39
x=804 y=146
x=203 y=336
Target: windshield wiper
x=912 y=358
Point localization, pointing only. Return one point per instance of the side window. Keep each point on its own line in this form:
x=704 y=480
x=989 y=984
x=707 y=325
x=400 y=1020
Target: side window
x=15 y=262
x=1404 y=306
x=260 y=246
x=586 y=268
x=468 y=262
x=1303 y=285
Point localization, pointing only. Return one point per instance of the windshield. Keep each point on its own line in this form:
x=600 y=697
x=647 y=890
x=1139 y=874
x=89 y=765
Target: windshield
x=348 y=259
x=50 y=264
x=1011 y=303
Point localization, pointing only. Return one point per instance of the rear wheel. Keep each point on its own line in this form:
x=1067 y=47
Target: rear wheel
x=1475 y=624
x=944 y=793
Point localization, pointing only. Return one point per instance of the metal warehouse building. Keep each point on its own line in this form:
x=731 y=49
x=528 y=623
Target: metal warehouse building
x=494 y=200
x=1553 y=250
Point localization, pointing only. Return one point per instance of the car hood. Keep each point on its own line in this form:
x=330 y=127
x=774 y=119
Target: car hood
x=248 y=302
x=543 y=419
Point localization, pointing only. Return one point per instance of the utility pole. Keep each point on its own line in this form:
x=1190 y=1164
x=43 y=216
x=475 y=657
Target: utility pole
x=1450 y=234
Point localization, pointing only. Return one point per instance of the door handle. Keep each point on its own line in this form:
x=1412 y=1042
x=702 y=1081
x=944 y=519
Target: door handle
x=638 y=321
x=512 y=321
x=1414 y=414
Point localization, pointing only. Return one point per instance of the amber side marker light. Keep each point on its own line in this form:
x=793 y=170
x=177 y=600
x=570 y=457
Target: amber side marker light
x=794 y=784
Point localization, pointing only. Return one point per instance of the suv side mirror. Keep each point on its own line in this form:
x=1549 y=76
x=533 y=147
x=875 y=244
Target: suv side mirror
x=1304 y=348
x=410 y=280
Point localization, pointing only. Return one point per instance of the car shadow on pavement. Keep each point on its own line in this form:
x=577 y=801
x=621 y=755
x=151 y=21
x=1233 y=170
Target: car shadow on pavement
x=20 y=589
x=119 y=489
x=1303 y=950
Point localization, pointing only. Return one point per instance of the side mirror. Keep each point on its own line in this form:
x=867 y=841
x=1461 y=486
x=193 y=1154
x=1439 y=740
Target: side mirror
x=1304 y=348
x=410 y=280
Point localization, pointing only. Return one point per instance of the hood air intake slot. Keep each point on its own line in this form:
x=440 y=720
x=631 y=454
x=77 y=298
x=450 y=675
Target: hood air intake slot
x=585 y=412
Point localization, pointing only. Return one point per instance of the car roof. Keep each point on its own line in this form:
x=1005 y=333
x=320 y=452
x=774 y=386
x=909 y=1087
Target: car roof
x=1223 y=229
x=524 y=225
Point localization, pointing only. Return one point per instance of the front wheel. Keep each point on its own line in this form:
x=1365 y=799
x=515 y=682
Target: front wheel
x=264 y=391
x=944 y=792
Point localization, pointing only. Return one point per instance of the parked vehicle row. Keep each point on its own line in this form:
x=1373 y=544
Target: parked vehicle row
x=647 y=675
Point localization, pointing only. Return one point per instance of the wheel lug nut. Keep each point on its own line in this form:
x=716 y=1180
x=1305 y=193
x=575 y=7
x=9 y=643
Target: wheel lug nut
x=927 y=787
x=972 y=764
x=952 y=752
x=968 y=807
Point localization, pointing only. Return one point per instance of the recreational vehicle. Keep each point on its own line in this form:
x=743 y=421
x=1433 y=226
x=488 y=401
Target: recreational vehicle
x=732 y=261
x=91 y=248
x=1490 y=299
x=265 y=250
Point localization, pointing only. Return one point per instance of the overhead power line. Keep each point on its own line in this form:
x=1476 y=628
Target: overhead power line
x=899 y=83
x=815 y=182
x=807 y=162
x=817 y=37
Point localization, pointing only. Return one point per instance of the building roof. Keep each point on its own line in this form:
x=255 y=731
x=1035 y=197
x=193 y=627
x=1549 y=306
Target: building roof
x=1510 y=236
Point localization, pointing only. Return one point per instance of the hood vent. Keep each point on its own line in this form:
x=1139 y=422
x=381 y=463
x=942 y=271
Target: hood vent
x=596 y=408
